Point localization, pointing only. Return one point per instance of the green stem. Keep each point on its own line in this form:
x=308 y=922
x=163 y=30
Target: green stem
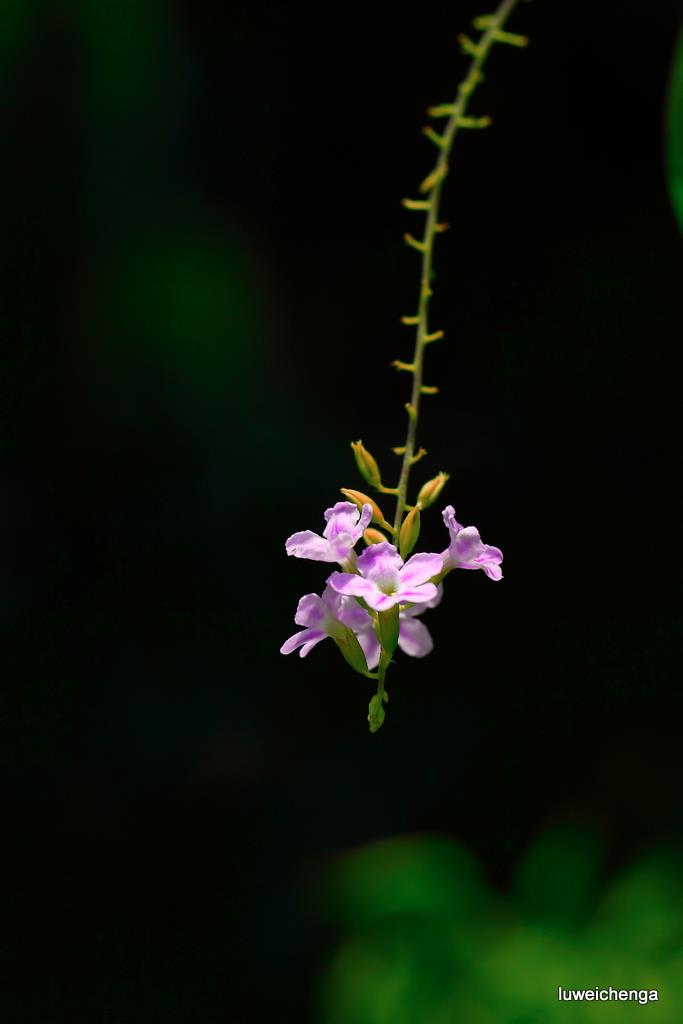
x=381 y=673
x=388 y=629
x=465 y=90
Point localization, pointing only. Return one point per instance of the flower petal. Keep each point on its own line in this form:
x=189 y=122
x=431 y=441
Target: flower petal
x=414 y=638
x=468 y=552
x=450 y=522
x=349 y=584
x=312 y=611
x=345 y=525
x=341 y=518
x=365 y=519
x=380 y=561
x=307 y=637
x=381 y=602
x=307 y=544
x=351 y=613
x=418 y=609
x=332 y=600
x=416 y=595
x=367 y=638
x=490 y=563
x=420 y=568
x=341 y=546
x=308 y=647
x=341 y=509
x=435 y=601
x=465 y=546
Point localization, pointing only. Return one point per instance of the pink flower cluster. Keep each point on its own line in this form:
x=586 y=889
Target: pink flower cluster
x=377 y=580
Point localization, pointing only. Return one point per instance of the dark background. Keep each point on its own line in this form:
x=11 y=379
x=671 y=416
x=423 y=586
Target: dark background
x=201 y=279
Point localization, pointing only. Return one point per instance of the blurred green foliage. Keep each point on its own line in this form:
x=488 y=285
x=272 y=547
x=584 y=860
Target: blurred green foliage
x=124 y=41
x=425 y=940
x=16 y=25
x=674 y=129
x=184 y=301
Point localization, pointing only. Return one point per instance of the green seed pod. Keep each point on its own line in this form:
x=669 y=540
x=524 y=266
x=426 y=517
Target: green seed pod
x=410 y=531
x=367 y=466
x=431 y=490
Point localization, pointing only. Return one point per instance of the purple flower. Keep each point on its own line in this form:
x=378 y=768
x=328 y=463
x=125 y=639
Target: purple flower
x=385 y=580
x=466 y=550
x=325 y=616
x=345 y=526
x=414 y=638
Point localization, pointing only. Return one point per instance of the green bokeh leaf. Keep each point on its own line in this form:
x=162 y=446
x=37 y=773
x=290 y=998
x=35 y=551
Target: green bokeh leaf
x=426 y=876
x=558 y=878
x=674 y=132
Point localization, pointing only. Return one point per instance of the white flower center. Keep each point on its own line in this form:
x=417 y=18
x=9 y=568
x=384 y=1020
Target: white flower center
x=388 y=583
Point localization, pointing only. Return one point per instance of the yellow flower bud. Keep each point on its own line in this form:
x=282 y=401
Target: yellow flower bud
x=371 y=536
x=359 y=499
x=431 y=490
x=367 y=466
x=410 y=531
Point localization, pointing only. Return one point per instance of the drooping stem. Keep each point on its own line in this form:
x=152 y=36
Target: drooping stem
x=376 y=707
x=381 y=673
x=388 y=629
x=492 y=26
